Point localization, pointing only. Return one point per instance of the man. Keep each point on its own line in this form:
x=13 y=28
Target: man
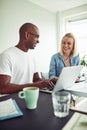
x=17 y=65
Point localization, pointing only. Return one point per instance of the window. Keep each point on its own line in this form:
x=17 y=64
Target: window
x=79 y=28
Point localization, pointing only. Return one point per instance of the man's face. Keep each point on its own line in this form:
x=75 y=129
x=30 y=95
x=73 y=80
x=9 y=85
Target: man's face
x=33 y=38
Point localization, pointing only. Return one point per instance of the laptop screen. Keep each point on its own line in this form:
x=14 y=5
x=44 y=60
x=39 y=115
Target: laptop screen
x=67 y=77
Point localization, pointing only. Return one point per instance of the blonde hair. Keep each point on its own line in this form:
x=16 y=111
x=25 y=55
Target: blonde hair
x=74 y=51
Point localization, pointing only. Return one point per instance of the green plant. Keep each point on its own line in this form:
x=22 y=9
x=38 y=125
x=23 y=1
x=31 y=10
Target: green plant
x=84 y=61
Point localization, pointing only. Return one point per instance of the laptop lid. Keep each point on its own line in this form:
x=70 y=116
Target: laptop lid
x=67 y=77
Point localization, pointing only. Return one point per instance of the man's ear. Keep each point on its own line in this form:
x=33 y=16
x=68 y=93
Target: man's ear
x=26 y=35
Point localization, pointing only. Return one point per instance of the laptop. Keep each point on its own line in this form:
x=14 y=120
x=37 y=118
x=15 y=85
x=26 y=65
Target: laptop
x=66 y=81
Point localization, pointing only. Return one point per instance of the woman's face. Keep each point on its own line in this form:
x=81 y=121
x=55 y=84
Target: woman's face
x=67 y=45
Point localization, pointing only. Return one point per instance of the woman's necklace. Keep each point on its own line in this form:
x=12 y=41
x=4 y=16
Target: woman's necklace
x=66 y=61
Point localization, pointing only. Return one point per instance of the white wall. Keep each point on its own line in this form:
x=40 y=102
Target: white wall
x=13 y=13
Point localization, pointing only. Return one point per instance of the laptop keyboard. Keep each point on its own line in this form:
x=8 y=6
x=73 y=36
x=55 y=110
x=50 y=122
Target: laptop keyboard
x=48 y=90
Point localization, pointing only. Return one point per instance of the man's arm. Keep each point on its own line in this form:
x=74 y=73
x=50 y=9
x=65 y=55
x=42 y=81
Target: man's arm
x=7 y=88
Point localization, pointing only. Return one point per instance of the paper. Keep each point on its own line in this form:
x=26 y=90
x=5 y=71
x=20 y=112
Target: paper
x=81 y=106
x=9 y=109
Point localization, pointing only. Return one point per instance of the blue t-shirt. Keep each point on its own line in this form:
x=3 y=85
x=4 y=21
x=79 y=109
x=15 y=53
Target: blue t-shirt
x=57 y=64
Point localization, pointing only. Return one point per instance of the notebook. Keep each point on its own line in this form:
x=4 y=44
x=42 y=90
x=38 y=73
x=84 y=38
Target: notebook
x=9 y=109
x=66 y=81
x=77 y=122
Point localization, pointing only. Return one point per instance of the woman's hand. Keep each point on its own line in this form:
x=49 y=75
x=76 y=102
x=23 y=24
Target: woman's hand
x=77 y=80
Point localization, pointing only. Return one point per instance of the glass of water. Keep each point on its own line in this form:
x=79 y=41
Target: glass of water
x=61 y=103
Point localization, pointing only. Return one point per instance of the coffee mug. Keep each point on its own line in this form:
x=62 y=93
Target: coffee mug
x=30 y=94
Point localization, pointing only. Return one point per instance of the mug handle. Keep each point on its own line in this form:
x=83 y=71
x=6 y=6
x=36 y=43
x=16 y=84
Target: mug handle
x=21 y=94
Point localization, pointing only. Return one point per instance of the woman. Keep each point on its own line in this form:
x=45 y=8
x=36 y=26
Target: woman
x=68 y=56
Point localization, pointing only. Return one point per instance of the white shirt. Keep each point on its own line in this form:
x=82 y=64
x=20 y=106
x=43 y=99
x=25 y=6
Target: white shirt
x=18 y=64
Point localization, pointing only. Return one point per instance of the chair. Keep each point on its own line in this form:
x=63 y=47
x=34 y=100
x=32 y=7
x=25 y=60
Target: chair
x=44 y=75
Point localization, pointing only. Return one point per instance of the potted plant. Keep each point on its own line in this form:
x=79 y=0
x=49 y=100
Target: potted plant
x=84 y=61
